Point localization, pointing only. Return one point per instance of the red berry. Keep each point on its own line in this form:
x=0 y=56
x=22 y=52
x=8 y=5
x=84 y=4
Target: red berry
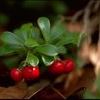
x=69 y=65
x=16 y=74
x=57 y=67
x=30 y=72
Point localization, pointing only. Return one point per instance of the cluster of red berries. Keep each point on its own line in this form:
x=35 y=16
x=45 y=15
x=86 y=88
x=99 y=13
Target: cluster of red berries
x=60 y=67
x=27 y=73
x=33 y=72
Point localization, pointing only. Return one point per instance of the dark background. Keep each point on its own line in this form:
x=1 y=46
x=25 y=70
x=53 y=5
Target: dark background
x=16 y=12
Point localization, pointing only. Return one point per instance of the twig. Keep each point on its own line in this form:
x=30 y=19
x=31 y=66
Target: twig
x=99 y=29
x=97 y=5
x=89 y=25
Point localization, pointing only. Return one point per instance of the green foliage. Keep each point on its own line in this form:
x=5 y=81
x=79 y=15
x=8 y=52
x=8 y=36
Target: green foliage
x=31 y=43
x=10 y=38
x=47 y=60
x=57 y=30
x=69 y=38
x=47 y=49
x=6 y=50
x=32 y=59
x=35 y=44
x=44 y=25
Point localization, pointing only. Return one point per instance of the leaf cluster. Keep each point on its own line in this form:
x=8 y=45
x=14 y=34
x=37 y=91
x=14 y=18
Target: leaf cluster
x=43 y=43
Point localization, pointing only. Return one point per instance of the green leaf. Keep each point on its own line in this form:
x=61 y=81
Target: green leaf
x=28 y=31
x=10 y=49
x=5 y=50
x=10 y=38
x=47 y=49
x=20 y=33
x=32 y=59
x=47 y=60
x=57 y=30
x=44 y=25
x=31 y=43
x=62 y=50
x=36 y=34
x=24 y=31
x=69 y=38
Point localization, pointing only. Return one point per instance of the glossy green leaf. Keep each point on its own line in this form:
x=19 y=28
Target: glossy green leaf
x=11 y=38
x=28 y=31
x=69 y=38
x=44 y=25
x=36 y=34
x=57 y=30
x=31 y=43
x=24 y=31
x=5 y=50
x=21 y=33
x=47 y=60
x=62 y=50
x=32 y=59
x=47 y=49
x=10 y=49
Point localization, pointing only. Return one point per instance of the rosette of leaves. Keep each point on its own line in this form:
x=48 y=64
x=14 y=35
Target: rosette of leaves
x=30 y=45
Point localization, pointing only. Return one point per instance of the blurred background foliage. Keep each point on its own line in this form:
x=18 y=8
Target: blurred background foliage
x=13 y=13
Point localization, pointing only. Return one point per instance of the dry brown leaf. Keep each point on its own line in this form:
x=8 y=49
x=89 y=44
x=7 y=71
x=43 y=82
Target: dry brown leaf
x=14 y=92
